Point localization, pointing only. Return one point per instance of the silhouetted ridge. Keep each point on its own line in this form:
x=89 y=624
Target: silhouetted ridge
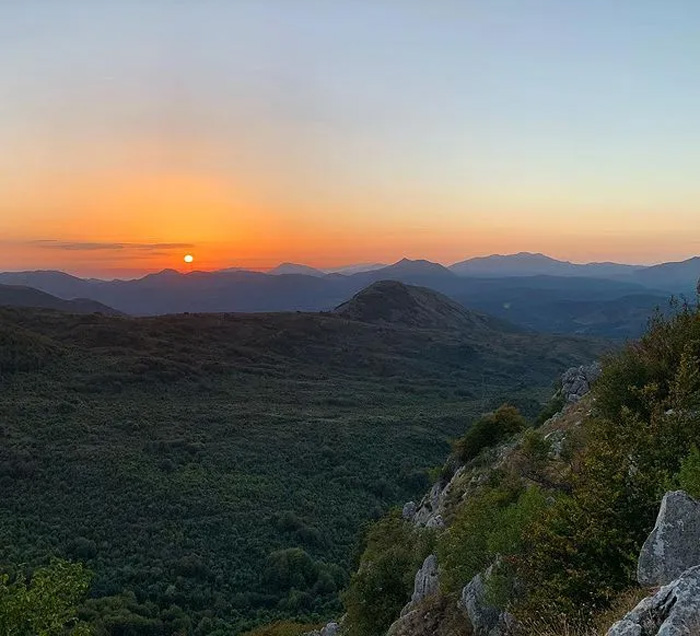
x=389 y=301
x=20 y=296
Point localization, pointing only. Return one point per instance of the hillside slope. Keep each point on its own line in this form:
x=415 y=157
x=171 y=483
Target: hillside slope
x=535 y=529
x=214 y=470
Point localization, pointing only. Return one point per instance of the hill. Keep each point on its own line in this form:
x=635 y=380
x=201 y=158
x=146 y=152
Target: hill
x=394 y=303
x=18 y=296
x=213 y=470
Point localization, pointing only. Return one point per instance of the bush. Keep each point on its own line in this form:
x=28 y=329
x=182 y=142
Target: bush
x=488 y=525
x=490 y=430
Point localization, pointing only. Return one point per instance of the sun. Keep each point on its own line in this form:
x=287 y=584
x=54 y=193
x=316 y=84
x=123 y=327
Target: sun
x=188 y=258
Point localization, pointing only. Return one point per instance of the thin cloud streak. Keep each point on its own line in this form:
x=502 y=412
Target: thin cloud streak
x=85 y=246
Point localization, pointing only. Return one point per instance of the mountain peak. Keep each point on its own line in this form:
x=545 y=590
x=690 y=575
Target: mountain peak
x=295 y=268
x=419 y=267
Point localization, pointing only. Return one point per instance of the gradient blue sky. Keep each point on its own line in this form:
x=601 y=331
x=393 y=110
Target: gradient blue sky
x=346 y=130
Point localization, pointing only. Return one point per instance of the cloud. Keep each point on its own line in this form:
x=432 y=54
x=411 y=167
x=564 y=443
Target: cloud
x=87 y=246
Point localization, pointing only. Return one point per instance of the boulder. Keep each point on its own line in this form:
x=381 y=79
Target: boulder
x=673 y=611
x=674 y=544
x=576 y=381
x=486 y=620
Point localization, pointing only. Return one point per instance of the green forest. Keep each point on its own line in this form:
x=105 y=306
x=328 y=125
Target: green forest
x=215 y=472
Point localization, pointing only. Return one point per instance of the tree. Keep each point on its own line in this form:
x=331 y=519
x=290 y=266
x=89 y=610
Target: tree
x=45 y=603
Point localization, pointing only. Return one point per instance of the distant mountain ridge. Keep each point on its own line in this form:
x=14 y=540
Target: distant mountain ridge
x=295 y=268
x=533 y=264
x=602 y=299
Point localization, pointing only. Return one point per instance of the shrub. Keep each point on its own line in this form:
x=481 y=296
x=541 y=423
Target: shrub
x=490 y=430
x=487 y=525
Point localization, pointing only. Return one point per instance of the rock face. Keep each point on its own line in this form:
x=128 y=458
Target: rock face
x=427 y=581
x=428 y=512
x=425 y=585
x=674 y=544
x=576 y=381
x=428 y=506
x=485 y=619
x=409 y=510
x=673 y=611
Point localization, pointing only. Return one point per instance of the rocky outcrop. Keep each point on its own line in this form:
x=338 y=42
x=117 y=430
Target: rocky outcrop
x=486 y=620
x=429 y=511
x=674 y=544
x=425 y=585
x=577 y=381
x=673 y=611
x=427 y=580
x=331 y=629
x=428 y=506
x=409 y=510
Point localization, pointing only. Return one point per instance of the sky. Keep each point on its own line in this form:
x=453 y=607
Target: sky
x=250 y=132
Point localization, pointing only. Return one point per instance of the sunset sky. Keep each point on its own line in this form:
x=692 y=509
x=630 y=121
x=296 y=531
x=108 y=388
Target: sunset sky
x=249 y=132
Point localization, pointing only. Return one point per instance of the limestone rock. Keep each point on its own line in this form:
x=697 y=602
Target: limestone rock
x=673 y=611
x=485 y=619
x=430 y=508
x=330 y=630
x=428 y=505
x=409 y=510
x=576 y=381
x=435 y=522
x=427 y=581
x=674 y=544
x=425 y=584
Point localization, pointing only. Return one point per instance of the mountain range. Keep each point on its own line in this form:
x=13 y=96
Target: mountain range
x=531 y=290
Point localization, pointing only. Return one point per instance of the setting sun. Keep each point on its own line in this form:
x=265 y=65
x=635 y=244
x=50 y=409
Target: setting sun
x=188 y=258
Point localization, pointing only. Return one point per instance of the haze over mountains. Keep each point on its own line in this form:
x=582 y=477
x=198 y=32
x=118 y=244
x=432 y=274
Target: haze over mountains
x=531 y=290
